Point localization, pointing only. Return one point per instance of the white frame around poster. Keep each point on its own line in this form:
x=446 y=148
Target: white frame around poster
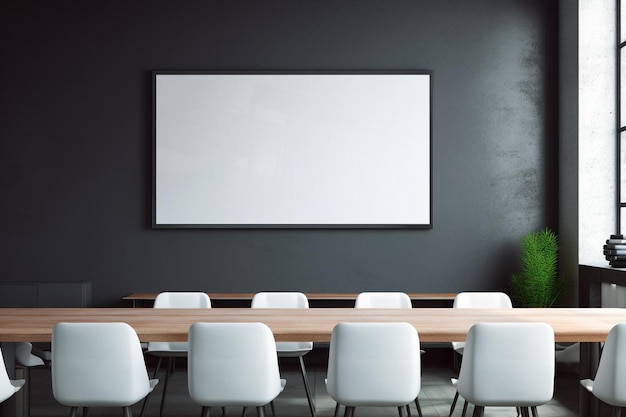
x=292 y=150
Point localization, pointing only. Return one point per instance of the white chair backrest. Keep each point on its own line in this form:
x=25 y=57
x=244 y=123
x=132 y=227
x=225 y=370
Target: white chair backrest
x=508 y=364
x=383 y=300
x=232 y=364
x=6 y=388
x=284 y=300
x=479 y=300
x=280 y=300
x=374 y=364
x=182 y=300
x=97 y=364
x=610 y=381
x=482 y=300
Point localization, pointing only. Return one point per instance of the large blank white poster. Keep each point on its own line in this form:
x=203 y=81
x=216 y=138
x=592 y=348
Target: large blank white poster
x=283 y=150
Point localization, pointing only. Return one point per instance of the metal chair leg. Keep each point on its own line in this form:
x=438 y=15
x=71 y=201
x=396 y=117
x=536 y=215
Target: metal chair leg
x=205 y=411
x=73 y=411
x=617 y=412
x=273 y=408
x=260 y=412
x=535 y=414
x=479 y=411
x=85 y=411
x=127 y=412
x=417 y=405
x=408 y=410
x=170 y=365
x=307 y=388
x=243 y=412
x=456 y=397
x=336 y=413
x=144 y=406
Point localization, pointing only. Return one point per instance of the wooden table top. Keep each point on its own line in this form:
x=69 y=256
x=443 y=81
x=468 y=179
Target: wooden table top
x=310 y=296
x=314 y=324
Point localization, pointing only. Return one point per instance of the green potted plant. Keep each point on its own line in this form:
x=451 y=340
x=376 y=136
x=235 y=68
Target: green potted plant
x=538 y=284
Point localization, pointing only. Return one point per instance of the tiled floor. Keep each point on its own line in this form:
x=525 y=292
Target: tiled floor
x=435 y=398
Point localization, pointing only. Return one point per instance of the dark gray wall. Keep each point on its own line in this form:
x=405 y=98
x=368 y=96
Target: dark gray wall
x=75 y=141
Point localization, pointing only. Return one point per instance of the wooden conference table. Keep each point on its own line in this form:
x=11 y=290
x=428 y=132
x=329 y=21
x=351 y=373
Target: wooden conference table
x=316 y=324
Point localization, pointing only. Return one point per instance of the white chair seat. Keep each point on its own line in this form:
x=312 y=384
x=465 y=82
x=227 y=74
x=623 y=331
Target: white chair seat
x=17 y=384
x=23 y=354
x=587 y=384
x=293 y=349
x=175 y=349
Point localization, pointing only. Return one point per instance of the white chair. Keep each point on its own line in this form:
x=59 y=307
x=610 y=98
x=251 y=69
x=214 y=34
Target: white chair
x=385 y=300
x=374 y=365
x=233 y=364
x=25 y=359
x=8 y=387
x=610 y=383
x=289 y=349
x=508 y=364
x=172 y=350
x=382 y=300
x=475 y=300
x=98 y=365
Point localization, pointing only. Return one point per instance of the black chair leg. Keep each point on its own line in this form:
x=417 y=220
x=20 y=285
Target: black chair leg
x=479 y=411
x=307 y=388
x=456 y=397
x=464 y=408
x=336 y=414
x=144 y=406
x=536 y=414
x=170 y=367
x=418 y=407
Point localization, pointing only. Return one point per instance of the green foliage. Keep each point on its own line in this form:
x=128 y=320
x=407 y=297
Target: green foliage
x=538 y=284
